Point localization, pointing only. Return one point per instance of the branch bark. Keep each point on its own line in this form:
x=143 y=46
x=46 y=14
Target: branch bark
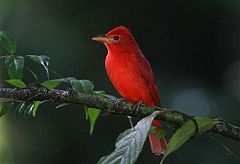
x=40 y=93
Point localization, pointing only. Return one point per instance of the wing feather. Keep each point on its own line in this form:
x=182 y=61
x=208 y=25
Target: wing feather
x=147 y=74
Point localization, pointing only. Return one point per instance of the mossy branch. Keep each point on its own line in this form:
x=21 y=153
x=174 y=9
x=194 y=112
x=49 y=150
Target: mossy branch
x=40 y=93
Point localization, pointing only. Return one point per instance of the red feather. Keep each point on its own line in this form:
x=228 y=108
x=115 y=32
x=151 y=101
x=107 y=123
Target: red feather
x=132 y=76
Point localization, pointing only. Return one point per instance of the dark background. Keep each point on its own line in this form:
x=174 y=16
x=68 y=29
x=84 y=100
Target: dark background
x=192 y=45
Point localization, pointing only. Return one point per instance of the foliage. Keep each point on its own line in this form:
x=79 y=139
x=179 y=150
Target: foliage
x=86 y=86
x=51 y=84
x=129 y=143
x=8 y=42
x=15 y=67
x=186 y=131
x=17 y=83
x=42 y=59
x=5 y=107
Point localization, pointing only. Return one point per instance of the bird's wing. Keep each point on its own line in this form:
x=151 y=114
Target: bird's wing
x=147 y=74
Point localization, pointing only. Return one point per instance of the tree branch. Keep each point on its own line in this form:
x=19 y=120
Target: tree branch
x=40 y=93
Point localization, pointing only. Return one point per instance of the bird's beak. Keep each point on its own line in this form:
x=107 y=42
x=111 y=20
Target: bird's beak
x=101 y=38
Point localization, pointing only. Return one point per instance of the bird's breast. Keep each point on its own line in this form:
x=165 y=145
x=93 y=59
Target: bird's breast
x=126 y=78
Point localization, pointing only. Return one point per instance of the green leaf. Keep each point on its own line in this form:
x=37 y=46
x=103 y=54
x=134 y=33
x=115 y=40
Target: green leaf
x=86 y=112
x=129 y=144
x=77 y=86
x=15 y=65
x=35 y=108
x=17 y=83
x=152 y=129
x=42 y=59
x=5 y=107
x=93 y=114
x=20 y=109
x=186 y=131
x=8 y=42
x=161 y=133
x=26 y=109
x=50 y=84
x=205 y=124
x=85 y=86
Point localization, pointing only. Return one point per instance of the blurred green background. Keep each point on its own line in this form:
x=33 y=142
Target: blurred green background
x=192 y=45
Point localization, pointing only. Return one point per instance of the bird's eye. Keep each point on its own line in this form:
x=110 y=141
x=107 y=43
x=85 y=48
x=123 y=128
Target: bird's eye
x=116 y=37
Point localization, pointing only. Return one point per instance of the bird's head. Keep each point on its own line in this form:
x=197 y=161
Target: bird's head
x=118 y=39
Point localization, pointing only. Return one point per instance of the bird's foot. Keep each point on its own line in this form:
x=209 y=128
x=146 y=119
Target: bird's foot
x=138 y=105
x=119 y=101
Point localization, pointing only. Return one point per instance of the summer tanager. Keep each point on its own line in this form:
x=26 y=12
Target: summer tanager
x=132 y=76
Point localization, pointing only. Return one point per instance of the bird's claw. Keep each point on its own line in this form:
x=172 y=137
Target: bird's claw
x=119 y=101
x=138 y=105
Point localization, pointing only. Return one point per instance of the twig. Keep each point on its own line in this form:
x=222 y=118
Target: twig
x=40 y=93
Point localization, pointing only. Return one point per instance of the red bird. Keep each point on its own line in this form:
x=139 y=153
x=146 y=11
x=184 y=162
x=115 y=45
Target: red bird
x=132 y=76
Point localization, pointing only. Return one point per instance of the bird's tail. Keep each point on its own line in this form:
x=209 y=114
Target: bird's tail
x=158 y=145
